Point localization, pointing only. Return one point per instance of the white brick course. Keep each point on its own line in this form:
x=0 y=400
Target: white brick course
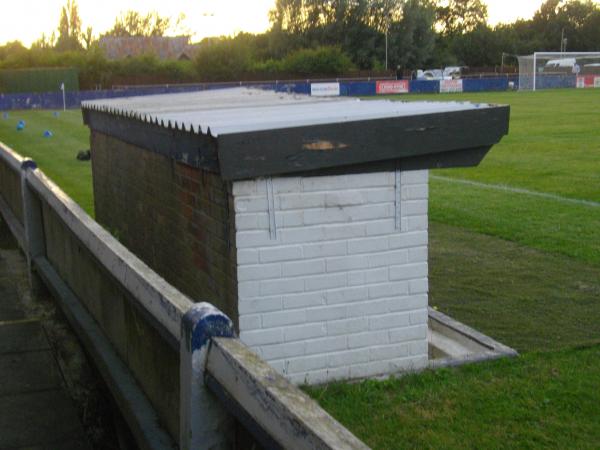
x=248 y=256
x=259 y=305
x=346 y=295
x=333 y=312
x=404 y=334
x=308 y=267
x=281 y=318
x=408 y=271
x=289 y=253
x=306 y=331
x=326 y=345
x=303 y=300
x=261 y=337
x=324 y=249
x=338 y=292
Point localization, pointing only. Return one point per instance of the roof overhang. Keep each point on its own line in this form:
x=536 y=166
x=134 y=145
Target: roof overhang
x=453 y=137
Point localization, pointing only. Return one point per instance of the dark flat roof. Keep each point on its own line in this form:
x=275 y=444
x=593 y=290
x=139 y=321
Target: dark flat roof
x=244 y=133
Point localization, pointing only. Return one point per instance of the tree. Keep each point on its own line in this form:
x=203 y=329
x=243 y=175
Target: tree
x=460 y=16
x=579 y=20
x=45 y=42
x=132 y=23
x=88 y=38
x=575 y=19
x=300 y=16
x=69 y=27
x=412 y=38
x=10 y=49
x=221 y=59
x=480 y=47
x=358 y=26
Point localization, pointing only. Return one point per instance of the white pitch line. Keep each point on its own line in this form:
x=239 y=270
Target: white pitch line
x=501 y=187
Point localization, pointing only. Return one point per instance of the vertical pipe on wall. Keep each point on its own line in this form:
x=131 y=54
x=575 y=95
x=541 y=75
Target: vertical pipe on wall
x=271 y=209
x=398 y=197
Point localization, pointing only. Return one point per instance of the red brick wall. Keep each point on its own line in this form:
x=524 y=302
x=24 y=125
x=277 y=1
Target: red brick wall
x=176 y=218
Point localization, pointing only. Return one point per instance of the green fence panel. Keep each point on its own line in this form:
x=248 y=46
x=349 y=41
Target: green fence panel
x=38 y=80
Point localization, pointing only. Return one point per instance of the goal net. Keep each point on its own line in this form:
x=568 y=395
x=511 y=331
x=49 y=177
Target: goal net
x=550 y=70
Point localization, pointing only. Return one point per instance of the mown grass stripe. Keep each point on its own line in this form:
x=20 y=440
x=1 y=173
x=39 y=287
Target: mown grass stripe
x=515 y=190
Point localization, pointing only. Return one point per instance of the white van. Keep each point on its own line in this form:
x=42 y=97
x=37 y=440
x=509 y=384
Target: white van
x=560 y=65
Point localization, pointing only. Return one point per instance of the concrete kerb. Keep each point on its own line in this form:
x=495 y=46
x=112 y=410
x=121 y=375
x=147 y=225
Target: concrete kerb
x=204 y=422
x=494 y=349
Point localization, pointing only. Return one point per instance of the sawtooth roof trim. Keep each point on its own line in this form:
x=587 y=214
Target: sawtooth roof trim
x=245 y=133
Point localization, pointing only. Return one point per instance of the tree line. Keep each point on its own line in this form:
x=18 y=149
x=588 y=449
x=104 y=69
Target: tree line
x=309 y=38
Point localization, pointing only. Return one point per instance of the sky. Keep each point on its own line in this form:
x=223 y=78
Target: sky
x=203 y=17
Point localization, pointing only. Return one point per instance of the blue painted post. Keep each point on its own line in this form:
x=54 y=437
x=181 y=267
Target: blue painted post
x=204 y=423
x=32 y=218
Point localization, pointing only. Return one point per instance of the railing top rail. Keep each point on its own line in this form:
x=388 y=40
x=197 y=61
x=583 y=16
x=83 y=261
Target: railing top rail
x=12 y=158
x=164 y=303
x=290 y=417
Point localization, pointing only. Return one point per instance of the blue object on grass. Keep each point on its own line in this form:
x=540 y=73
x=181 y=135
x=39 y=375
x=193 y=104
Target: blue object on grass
x=5 y=115
x=20 y=125
x=48 y=133
x=56 y=114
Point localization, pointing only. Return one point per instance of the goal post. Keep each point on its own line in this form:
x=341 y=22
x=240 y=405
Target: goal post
x=550 y=70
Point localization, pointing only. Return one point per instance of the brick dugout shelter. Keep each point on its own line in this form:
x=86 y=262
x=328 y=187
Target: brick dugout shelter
x=303 y=219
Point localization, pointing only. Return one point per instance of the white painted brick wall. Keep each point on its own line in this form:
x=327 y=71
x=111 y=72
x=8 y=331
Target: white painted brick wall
x=340 y=292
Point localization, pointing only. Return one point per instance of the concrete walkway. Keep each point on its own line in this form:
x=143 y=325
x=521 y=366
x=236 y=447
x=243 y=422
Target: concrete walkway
x=36 y=412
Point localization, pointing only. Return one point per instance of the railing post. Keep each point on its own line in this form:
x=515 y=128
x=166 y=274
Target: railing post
x=33 y=225
x=204 y=423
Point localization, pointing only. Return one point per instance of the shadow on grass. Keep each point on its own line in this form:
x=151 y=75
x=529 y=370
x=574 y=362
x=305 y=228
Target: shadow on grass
x=525 y=298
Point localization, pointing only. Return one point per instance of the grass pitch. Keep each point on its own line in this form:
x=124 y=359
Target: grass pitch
x=55 y=155
x=553 y=148
x=523 y=267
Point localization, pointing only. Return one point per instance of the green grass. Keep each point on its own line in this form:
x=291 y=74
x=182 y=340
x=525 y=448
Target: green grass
x=523 y=269
x=545 y=224
x=54 y=155
x=539 y=293
x=540 y=400
x=553 y=143
x=553 y=147
x=546 y=306
x=525 y=298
